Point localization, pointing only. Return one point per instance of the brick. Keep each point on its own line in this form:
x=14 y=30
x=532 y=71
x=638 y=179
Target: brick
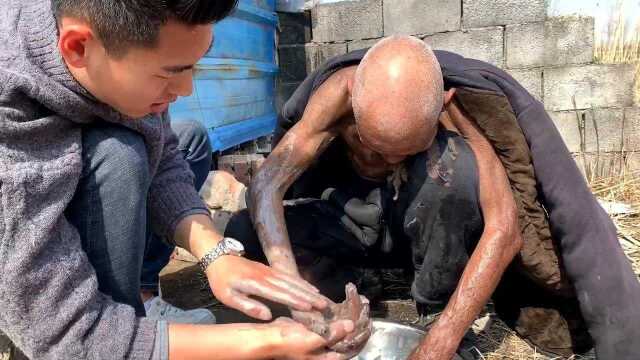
x=347 y=20
x=483 y=44
x=525 y=45
x=292 y=59
x=568 y=40
x=242 y=167
x=409 y=17
x=598 y=86
x=479 y=13
x=609 y=124
x=530 y=79
x=295 y=28
x=318 y=54
x=361 y=44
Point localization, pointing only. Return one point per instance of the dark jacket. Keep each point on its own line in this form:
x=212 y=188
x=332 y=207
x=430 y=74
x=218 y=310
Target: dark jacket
x=607 y=289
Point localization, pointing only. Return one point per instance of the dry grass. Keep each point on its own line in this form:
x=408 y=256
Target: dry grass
x=624 y=189
x=620 y=45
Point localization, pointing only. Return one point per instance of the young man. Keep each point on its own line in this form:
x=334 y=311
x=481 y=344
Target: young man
x=88 y=161
x=447 y=167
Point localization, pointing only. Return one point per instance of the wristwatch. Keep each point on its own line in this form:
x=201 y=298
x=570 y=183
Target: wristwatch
x=226 y=246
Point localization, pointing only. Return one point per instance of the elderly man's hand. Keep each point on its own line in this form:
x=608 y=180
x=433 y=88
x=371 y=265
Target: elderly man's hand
x=354 y=308
x=298 y=342
x=439 y=344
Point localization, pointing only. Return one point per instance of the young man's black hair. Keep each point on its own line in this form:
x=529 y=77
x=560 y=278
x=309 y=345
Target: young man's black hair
x=123 y=23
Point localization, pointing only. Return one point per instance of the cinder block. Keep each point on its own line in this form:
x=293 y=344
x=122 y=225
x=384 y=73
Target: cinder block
x=607 y=121
x=410 y=17
x=525 y=45
x=478 y=13
x=558 y=41
x=568 y=40
x=292 y=59
x=598 y=86
x=609 y=164
x=482 y=44
x=295 y=28
x=632 y=129
x=530 y=79
x=318 y=54
x=361 y=44
x=347 y=20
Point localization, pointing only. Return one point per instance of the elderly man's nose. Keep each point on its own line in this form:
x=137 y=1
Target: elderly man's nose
x=393 y=159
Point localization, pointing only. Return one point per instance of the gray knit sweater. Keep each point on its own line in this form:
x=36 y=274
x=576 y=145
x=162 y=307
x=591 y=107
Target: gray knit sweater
x=50 y=306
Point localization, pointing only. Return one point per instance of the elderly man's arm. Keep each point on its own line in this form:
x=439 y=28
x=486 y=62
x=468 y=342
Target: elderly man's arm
x=500 y=242
x=300 y=146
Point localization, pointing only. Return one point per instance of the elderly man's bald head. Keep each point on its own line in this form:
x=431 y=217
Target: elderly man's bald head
x=397 y=96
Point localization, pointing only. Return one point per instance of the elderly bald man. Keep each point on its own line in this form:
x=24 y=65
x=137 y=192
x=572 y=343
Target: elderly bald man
x=448 y=167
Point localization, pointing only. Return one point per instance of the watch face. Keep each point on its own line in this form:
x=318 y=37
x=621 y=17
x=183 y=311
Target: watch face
x=234 y=245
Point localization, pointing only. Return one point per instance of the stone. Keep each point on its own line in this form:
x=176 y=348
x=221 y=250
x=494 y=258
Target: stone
x=293 y=60
x=411 y=17
x=347 y=20
x=295 y=28
x=524 y=45
x=530 y=79
x=481 y=44
x=318 y=54
x=361 y=44
x=480 y=13
x=597 y=86
x=609 y=132
x=568 y=40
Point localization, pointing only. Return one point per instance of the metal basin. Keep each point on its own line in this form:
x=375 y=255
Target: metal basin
x=391 y=341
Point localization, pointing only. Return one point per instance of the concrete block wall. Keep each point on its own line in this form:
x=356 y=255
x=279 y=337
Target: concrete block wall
x=551 y=57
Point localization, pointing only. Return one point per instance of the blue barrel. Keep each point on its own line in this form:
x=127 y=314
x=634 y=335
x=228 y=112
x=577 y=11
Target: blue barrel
x=234 y=83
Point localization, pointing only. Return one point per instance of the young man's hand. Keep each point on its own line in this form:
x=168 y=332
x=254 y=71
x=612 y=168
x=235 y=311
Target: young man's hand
x=298 y=342
x=234 y=280
x=281 y=339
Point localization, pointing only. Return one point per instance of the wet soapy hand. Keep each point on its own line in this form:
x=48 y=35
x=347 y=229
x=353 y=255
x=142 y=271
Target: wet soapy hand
x=300 y=343
x=354 y=308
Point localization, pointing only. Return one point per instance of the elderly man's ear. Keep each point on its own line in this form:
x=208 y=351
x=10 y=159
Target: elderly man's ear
x=448 y=96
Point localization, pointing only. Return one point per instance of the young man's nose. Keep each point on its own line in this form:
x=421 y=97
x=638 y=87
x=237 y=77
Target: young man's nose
x=182 y=84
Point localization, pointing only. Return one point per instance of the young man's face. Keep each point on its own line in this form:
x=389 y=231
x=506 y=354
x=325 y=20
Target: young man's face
x=144 y=80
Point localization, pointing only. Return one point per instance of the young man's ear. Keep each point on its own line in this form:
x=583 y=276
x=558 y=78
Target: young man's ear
x=74 y=39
